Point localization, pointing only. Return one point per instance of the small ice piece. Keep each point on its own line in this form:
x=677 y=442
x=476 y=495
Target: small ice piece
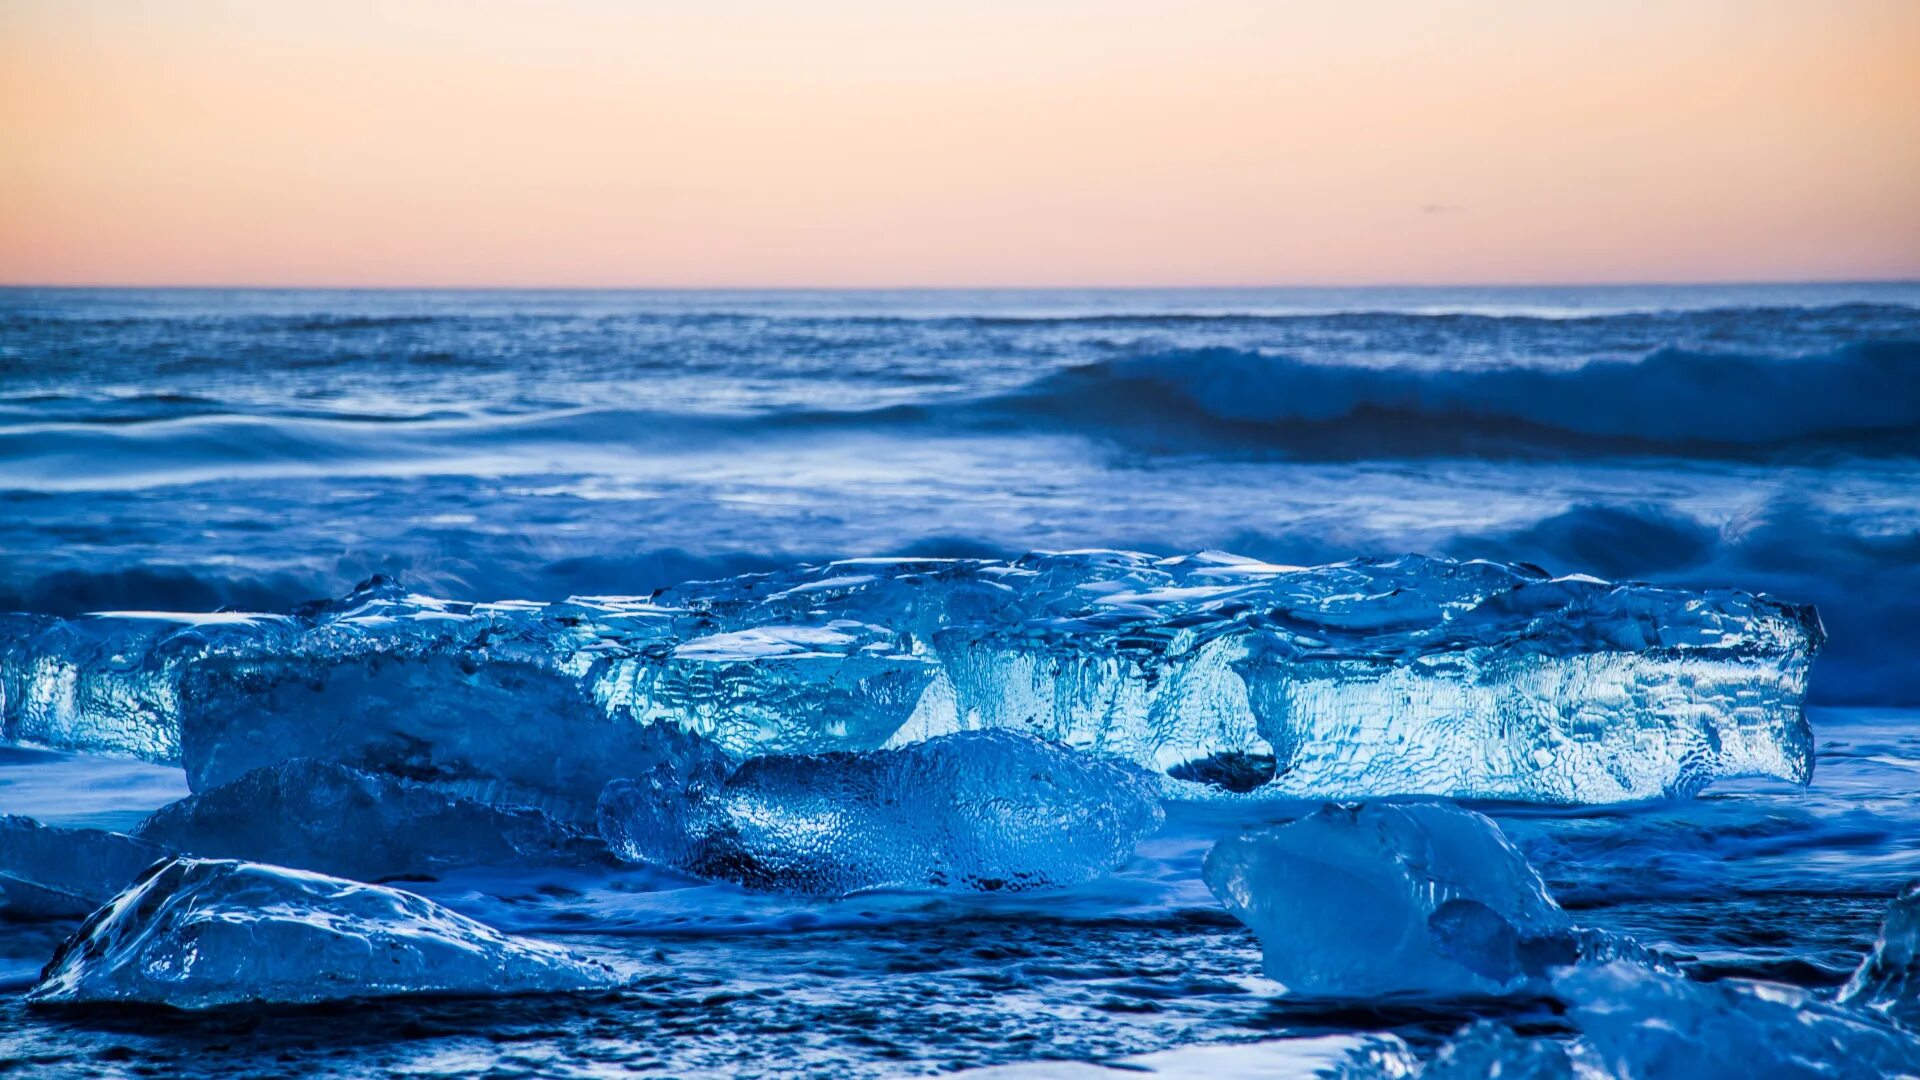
x=1650 y=1025
x=200 y=934
x=1318 y=1057
x=982 y=810
x=54 y=873
x=1485 y=1049
x=1888 y=980
x=329 y=818
x=1417 y=898
x=663 y=815
x=1371 y=678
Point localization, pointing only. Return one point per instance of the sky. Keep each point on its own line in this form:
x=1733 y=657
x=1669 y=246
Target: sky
x=837 y=143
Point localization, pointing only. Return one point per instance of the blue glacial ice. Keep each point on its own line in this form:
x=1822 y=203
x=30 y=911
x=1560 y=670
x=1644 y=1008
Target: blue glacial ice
x=1415 y=676
x=1630 y=1022
x=1888 y=980
x=333 y=819
x=982 y=810
x=470 y=699
x=107 y=683
x=1418 y=899
x=200 y=934
x=1485 y=1049
x=1649 y=1025
x=48 y=872
x=1319 y=1057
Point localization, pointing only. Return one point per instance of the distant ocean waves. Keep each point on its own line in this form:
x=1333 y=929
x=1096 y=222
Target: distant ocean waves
x=1863 y=398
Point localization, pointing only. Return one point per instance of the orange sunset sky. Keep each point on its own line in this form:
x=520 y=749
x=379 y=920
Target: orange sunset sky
x=1042 y=142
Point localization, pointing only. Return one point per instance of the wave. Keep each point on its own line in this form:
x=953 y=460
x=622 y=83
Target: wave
x=1865 y=395
x=358 y=322
x=59 y=456
x=1469 y=317
x=1862 y=398
x=53 y=414
x=109 y=409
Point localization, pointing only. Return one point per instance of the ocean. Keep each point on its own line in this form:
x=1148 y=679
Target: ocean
x=191 y=450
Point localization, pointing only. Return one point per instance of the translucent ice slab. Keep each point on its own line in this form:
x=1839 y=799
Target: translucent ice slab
x=1361 y=679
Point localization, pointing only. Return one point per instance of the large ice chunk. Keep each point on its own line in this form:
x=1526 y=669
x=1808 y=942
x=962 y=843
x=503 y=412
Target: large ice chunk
x=978 y=810
x=1888 y=980
x=1359 y=679
x=1649 y=1025
x=54 y=873
x=321 y=816
x=198 y=934
x=1416 y=899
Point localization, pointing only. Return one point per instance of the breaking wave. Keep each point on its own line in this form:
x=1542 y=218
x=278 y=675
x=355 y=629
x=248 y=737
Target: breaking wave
x=1865 y=396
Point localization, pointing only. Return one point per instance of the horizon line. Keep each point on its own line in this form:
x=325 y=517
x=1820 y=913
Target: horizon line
x=1699 y=283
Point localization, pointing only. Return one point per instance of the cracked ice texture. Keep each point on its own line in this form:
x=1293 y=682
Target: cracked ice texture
x=47 y=872
x=330 y=818
x=978 y=810
x=199 y=934
x=1888 y=980
x=1406 y=676
x=1417 y=898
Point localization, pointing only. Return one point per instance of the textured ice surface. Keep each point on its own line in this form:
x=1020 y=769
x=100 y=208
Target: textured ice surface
x=333 y=819
x=1418 y=898
x=197 y=934
x=1407 y=676
x=107 y=684
x=983 y=810
x=1888 y=980
x=49 y=872
x=1646 y=1025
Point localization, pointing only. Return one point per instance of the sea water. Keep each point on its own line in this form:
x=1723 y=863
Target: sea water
x=198 y=450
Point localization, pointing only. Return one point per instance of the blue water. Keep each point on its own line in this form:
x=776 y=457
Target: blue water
x=185 y=450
